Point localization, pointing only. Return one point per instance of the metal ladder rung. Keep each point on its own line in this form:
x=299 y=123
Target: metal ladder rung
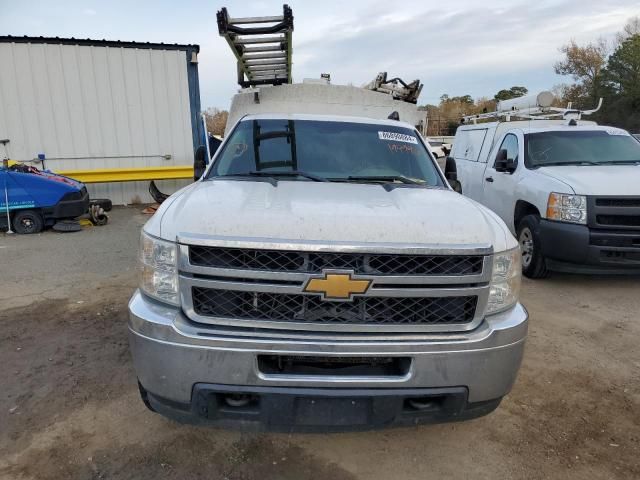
x=265 y=61
x=251 y=41
x=246 y=20
x=270 y=77
x=270 y=73
x=266 y=68
x=266 y=48
x=262 y=56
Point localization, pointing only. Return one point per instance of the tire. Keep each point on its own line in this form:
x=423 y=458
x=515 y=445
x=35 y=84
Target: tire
x=27 y=222
x=528 y=234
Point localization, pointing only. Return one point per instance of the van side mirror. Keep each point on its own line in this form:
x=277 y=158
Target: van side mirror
x=450 y=170
x=451 y=174
x=504 y=164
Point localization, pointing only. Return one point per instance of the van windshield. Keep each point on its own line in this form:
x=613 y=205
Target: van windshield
x=582 y=147
x=326 y=150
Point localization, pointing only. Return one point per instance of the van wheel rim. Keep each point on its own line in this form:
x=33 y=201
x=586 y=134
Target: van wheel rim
x=526 y=246
x=27 y=224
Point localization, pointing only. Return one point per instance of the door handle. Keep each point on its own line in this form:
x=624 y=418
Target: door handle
x=489 y=179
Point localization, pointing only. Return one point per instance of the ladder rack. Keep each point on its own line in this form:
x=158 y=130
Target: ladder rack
x=533 y=113
x=262 y=46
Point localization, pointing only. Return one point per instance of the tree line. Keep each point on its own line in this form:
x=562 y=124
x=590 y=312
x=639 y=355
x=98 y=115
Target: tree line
x=599 y=69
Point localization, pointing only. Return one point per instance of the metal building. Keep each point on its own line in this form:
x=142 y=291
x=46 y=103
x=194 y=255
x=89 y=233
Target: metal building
x=96 y=104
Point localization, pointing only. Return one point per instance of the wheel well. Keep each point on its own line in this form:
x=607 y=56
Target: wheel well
x=37 y=210
x=523 y=209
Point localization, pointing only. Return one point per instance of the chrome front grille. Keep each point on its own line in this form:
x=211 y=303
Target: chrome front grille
x=316 y=262
x=265 y=306
x=260 y=286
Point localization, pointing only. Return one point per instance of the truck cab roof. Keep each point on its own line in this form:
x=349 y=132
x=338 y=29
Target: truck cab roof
x=528 y=126
x=326 y=118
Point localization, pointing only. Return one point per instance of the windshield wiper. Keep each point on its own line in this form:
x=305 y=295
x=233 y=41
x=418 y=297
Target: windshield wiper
x=621 y=162
x=290 y=173
x=385 y=179
x=560 y=164
x=388 y=182
x=275 y=175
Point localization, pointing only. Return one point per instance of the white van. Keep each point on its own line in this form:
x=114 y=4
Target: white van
x=568 y=189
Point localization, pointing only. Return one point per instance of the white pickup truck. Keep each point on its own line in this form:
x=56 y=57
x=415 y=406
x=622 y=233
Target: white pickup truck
x=568 y=189
x=323 y=275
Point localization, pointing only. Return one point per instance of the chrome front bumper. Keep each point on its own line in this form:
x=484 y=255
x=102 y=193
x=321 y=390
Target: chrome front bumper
x=172 y=355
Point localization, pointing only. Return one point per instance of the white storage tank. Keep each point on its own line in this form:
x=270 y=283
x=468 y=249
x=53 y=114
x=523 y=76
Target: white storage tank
x=96 y=104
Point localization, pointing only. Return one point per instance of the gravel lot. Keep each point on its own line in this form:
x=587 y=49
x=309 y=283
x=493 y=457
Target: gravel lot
x=69 y=406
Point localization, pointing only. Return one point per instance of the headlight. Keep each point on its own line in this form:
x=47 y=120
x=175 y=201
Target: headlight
x=567 y=208
x=158 y=269
x=505 y=280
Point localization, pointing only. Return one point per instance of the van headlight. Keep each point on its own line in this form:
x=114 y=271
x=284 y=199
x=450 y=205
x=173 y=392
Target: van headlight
x=158 y=269
x=504 y=289
x=567 y=208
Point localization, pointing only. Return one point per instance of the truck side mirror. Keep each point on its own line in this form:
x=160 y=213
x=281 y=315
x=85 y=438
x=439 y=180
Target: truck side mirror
x=511 y=165
x=450 y=170
x=451 y=174
x=199 y=162
x=501 y=161
x=504 y=164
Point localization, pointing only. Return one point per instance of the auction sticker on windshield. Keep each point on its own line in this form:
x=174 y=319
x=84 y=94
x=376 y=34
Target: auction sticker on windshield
x=397 y=137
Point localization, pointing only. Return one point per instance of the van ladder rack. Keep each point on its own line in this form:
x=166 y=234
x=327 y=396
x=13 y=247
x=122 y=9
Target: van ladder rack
x=532 y=113
x=263 y=51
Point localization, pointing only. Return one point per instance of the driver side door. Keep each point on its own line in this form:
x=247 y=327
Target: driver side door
x=501 y=177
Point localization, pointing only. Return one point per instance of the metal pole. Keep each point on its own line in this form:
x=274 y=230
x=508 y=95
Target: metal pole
x=206 y=136
x=6 y=189
x=6 y=199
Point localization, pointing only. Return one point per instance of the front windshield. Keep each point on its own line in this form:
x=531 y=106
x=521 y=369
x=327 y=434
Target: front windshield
x=333 y=151
x=581 y=147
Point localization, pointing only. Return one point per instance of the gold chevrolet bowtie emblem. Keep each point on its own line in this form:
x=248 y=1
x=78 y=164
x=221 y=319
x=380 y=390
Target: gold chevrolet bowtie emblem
x=337 y=286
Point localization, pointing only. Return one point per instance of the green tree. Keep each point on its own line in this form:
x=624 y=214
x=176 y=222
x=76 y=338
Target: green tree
x=622 y=74
x=513 y=92
x=621 y=82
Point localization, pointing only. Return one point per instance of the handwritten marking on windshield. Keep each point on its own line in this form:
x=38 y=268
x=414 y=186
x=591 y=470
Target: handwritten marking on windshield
x=400 y=148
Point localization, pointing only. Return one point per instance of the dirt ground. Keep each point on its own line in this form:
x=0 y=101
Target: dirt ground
x=69 y=406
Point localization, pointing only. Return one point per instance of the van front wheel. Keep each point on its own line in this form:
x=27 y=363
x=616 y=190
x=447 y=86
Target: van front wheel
x=533 y=262
x=27 y=221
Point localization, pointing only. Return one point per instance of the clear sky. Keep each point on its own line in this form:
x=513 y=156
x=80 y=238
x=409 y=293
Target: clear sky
x=458 y=47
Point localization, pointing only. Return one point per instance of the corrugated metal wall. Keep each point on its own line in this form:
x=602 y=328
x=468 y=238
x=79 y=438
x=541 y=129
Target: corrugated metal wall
x=89 y=107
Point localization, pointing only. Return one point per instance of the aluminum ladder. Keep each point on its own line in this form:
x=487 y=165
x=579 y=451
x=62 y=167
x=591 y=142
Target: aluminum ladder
x=261 y=45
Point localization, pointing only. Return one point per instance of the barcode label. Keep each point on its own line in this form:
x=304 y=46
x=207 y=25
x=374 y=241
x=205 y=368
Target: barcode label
x=397 y=137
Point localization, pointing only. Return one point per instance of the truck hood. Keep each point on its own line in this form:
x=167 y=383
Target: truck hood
x=328 y=212
x=597 y=180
